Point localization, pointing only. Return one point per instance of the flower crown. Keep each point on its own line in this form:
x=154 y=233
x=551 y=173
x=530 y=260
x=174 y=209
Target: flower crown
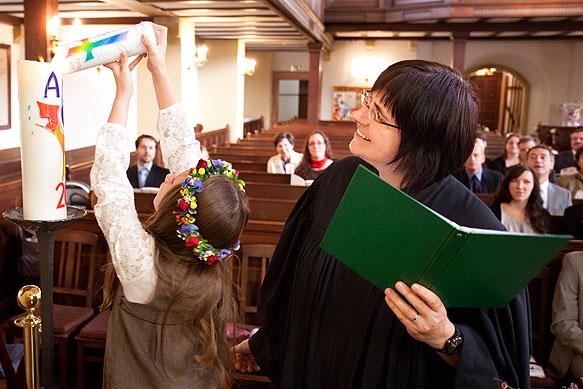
x=186 y=208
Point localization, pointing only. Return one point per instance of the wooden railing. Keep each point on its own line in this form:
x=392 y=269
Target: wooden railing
x=253 y=126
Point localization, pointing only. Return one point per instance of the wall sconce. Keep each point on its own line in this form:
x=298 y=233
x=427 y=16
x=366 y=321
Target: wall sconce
x=53 y=27
x=200 y=55
x=249 y=66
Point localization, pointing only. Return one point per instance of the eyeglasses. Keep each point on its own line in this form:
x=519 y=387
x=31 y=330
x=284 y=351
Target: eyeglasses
x=366 y=101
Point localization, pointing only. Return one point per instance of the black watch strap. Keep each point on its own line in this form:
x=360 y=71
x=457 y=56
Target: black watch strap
x=453 y=344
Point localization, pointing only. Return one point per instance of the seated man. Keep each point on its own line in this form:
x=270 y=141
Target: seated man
x=287 y=159
x=565 y=162
x=145 y=173
x=526 y=143
x=567 y=326
x=475 y=175
x=542 y=160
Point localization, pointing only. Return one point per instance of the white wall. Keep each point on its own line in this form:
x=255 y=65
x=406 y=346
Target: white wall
x=258 y=88
x=346 y=64
x=217 y=81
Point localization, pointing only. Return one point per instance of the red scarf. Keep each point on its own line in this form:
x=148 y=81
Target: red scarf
x=319 y=164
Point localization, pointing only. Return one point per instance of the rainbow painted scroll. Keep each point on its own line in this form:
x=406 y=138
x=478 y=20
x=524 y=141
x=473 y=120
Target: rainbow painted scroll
x=103 y=48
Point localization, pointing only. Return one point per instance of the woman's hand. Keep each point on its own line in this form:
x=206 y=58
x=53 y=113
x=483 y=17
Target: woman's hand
x=244 y=361
x=422 y=313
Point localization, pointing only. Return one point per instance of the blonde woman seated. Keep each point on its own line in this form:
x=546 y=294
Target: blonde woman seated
x=573 y=182
x=317 y=156
x=518 y=204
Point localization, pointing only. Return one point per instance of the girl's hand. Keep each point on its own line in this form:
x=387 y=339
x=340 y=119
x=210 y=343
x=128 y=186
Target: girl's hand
x=244 y=361
x=156 y=51
x=122 y=73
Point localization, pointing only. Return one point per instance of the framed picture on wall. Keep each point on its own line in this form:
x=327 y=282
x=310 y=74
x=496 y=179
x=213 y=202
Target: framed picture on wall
x=345 y=99
x=5 y=87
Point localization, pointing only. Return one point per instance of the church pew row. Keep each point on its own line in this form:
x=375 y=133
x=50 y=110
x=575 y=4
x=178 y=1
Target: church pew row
x=273 y=191
x=263 y=177
x=268 y=148
x=226 y=152
x=236 y=159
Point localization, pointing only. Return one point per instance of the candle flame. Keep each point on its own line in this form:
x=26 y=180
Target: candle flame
x=41 y=59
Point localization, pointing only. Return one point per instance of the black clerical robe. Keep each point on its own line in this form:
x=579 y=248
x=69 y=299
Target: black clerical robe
x=326 y=327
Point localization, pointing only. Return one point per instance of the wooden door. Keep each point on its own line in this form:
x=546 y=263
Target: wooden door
x=489 y=88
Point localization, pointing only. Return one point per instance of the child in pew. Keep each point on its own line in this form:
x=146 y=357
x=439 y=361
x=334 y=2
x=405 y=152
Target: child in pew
x=170 y=313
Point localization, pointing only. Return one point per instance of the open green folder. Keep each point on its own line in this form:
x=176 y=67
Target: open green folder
x=387 y=236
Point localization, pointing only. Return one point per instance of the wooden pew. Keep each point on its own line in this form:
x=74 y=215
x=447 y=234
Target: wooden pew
x=246 y=165
x=240 y=149
x=274 y=191
x=212 y=139
x=263 y=177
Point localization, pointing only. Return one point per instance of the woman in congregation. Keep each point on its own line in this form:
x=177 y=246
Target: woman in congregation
x=286 y=159
x=518 y=205
x=510 y=157
x=172 y=296
x=317 y=156
x=324 y=326
x=573 y=182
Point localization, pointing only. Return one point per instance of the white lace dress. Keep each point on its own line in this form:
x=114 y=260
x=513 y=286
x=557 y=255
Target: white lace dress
x=132 y=248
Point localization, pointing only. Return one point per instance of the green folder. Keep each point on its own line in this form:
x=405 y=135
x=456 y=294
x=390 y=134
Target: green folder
x=387 y=236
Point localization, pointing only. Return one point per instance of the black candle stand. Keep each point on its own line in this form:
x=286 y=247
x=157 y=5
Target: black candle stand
x=45 y=232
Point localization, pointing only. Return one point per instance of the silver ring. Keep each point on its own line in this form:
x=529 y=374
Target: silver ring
x=415 y=318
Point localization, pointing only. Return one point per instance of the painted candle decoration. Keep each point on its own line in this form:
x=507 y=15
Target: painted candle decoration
x=103 y=48
x=42 y=141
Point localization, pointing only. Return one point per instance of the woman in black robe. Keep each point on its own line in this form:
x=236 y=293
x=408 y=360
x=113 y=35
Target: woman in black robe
x=324 y=326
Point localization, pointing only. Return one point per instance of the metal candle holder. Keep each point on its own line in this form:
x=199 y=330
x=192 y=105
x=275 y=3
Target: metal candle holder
x=45 y=231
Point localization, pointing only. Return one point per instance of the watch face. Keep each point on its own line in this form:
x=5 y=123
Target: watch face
x=453 y=343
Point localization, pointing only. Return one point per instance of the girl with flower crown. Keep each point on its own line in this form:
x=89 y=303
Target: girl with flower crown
x=324 y=326
x=174 y=296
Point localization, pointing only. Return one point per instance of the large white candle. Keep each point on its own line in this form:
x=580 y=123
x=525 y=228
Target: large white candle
x=104 y=48
x=40 y=93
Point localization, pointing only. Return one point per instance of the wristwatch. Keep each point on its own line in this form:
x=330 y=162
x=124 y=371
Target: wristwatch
x=453 y=344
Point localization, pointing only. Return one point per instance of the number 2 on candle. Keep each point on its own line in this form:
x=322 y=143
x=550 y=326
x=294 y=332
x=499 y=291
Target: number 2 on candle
x=62 y=199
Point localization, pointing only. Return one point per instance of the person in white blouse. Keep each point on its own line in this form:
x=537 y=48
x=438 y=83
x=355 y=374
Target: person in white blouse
x=286 y=159
x=174 y=297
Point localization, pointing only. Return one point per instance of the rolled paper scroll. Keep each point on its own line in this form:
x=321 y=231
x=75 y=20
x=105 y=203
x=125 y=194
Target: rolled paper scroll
x=103 y=48
x=42 y=147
